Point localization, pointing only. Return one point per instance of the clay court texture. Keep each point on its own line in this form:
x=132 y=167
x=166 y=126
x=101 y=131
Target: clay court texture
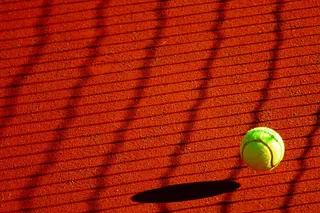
x=141 y=106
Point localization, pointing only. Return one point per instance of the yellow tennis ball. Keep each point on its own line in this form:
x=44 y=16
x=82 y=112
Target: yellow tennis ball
x=262 y=149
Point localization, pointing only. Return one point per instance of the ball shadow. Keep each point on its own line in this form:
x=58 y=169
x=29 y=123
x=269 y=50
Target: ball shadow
x=185 y=192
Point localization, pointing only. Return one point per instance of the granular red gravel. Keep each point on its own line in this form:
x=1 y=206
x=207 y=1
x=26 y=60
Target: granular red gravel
x=127 y=106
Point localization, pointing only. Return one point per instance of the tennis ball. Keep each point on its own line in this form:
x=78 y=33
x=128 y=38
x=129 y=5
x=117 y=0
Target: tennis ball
x=262 y=149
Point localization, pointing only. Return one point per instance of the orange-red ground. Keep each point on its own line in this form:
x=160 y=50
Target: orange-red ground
x=101 y=100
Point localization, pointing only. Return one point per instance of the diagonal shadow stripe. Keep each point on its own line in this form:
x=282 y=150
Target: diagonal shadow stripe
x=202 y=95
x=302 y=161
x=141 y=11
x=273 y=62
x=17 y=82
x=84 y=39
x=51 y=158
x=14 y=88
x=128 y=21
x=182 y=42
x=264 y=94
x=145 y=69
x=126 y=33
x=307 y=66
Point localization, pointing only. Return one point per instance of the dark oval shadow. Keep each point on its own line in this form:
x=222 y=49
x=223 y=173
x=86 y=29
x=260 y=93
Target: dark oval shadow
x=186 y=191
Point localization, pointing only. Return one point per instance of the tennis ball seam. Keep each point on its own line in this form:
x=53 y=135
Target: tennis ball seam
x=265 y=144
x=269 y=133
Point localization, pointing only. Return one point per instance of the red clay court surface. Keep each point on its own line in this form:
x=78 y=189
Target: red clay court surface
x=140 y=106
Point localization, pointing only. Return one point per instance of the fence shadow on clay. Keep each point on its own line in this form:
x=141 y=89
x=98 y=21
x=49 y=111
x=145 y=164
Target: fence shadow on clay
x=14 y=90
x=34 y=181
x=160 y=156
x=10 y=104
x=202 y=96
x=143 y=11
x=149 y=39
x=72 y=39
x=232 y=185
x=70 y=112
x=66 y=4
x=209 y=97
x=255 y=113
x=264 y=93
x=117 y=144
x=311 y=143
